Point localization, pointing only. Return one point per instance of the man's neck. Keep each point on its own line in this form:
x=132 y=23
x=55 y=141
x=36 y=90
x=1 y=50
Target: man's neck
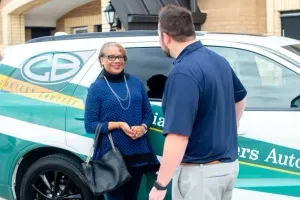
x=180 y=47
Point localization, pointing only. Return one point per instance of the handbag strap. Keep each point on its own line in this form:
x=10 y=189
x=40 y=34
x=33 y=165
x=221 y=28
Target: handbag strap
x=95 y=140
x=98 y=138
x=111 y=142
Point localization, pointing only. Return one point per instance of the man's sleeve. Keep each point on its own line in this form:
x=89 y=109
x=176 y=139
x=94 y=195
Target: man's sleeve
x=181 y=106
x=239 y=90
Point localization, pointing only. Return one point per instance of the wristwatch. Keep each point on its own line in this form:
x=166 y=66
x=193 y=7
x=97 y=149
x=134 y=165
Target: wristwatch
x=158 y=186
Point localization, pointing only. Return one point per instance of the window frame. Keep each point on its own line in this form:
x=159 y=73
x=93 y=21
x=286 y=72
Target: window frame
x=151 y=99
x=83 y=28
x=263 y=53
x=153 y=42
x=87 y=77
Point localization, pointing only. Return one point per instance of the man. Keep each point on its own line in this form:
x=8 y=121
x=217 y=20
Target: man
x=203 y=102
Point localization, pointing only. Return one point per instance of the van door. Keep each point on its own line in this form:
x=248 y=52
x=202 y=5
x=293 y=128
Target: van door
x=76 y=136
x=152 y=66
x=35 y=89
x=269 y=150
x=146 y=61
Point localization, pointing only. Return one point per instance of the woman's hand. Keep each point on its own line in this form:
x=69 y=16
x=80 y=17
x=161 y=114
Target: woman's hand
x=126 y=128
x=139 y=131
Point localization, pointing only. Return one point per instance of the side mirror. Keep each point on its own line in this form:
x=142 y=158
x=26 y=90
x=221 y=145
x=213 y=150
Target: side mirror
x=295 y=103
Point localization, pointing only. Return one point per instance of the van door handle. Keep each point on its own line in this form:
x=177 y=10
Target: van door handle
x=79 y=117
x=242 y=132
x=242 y=129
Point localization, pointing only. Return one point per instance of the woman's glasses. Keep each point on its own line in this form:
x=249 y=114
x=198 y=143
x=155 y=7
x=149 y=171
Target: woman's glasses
x=113 y=58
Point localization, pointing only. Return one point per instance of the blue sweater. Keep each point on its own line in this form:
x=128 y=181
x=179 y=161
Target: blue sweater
x=103 y=107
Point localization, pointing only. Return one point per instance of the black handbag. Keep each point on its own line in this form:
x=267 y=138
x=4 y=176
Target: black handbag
x=108 y=173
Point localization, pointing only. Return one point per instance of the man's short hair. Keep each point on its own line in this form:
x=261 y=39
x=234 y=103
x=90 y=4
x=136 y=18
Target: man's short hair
x=177 y=22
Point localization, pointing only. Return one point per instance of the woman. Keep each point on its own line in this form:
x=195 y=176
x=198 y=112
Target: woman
x=119 y=102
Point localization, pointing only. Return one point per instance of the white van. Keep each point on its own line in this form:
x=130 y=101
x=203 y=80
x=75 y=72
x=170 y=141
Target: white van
x=43 y=86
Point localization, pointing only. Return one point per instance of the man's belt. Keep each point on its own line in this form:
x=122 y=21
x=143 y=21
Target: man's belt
x=197 y=164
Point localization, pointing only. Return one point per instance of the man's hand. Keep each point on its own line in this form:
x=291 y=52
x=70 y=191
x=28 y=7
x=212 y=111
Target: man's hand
x=157 y=194
x=174 y=148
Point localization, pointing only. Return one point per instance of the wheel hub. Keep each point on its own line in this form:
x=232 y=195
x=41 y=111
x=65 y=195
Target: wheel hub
x=55 y=185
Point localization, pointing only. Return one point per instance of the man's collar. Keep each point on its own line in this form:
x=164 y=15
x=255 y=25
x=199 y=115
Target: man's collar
x=187 y=50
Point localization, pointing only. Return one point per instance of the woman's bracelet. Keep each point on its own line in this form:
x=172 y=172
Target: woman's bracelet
x=145 y=127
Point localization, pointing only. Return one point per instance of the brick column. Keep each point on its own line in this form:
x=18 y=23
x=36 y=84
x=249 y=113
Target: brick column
x=91 y=28
x=68 y=30
x=13 y=29
x=105 y=25
x=270 y=17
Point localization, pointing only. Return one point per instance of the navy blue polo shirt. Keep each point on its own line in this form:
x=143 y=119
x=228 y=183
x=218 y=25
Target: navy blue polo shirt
x=199 y=102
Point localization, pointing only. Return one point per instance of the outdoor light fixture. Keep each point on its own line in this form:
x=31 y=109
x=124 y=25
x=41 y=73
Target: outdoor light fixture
x=110 y=15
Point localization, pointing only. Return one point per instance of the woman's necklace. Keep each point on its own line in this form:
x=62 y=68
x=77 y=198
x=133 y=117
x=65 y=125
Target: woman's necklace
x=128 y=96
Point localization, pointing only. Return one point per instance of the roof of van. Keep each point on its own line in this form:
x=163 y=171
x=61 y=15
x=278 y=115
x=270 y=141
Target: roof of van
x=259 y=40
x=254 y=39
x=114 y=34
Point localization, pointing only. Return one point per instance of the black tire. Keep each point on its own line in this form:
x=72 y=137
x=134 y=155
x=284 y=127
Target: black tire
x=41 y=177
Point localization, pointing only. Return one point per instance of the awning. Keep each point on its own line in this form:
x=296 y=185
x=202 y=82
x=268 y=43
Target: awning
x=143 y=14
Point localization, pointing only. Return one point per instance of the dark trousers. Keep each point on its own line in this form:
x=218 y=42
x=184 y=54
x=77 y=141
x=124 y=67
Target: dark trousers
x=130 y=190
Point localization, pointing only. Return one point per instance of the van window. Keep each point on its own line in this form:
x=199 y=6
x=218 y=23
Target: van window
x=152 y=66
x=269 y=84
x=47 y=72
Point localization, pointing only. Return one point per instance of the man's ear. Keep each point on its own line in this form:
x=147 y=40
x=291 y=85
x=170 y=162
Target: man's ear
x=167 y=38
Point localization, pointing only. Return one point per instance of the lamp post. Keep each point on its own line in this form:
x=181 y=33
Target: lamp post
x=110 y=15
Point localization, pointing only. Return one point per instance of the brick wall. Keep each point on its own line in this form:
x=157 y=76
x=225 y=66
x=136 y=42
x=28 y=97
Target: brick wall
x=261 y=14
x=274 y=9
x=86 y=15
x=285 y=5
x=238 y=16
